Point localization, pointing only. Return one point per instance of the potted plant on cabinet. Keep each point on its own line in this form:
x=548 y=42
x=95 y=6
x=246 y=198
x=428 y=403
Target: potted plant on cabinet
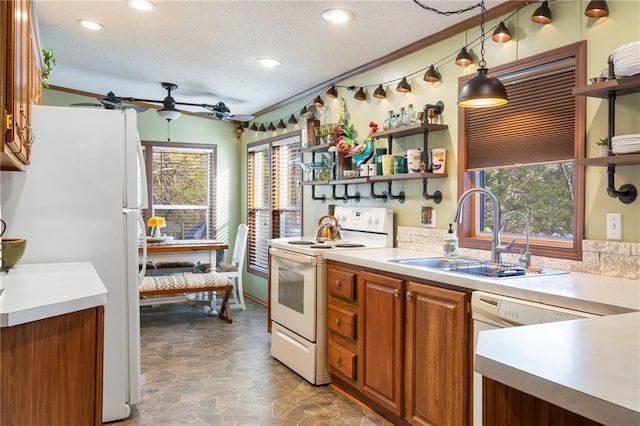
x=603 y=147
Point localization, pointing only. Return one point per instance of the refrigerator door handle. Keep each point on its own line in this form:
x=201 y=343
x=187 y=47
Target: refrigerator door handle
x=143 y=270
x=142 y=178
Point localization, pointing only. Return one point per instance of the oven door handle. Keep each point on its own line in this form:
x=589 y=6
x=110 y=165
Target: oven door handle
x=294 y=257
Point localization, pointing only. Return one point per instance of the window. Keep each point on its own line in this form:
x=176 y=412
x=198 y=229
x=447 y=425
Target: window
x=524 y=153
x=274 y=196
x=181 y=181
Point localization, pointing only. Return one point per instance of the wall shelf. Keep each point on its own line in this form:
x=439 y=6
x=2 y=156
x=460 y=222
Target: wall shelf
x=618 y=160
x=608 y=90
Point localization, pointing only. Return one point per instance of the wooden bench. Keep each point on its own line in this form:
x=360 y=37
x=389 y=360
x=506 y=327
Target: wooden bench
x=157 y=290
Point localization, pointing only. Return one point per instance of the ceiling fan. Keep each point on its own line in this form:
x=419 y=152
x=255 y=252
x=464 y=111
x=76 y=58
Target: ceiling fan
x=170 y=112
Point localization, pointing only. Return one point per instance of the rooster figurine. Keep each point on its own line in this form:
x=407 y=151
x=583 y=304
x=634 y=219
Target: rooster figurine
x=362 y=152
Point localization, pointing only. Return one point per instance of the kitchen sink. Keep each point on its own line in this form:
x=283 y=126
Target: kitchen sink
x=483 y=268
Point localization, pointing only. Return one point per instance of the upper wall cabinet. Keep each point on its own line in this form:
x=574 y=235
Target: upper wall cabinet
x=21 y=85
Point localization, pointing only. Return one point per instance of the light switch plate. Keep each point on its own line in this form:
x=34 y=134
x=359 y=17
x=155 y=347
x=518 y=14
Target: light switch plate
x=614 y=226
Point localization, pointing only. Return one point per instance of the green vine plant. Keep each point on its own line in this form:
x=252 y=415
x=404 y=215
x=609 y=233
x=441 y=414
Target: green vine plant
x=603 y=142
x=49 y=64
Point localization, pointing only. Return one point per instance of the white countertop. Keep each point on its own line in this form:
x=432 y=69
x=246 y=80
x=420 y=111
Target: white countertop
x=31 y=292
x=582 y=292
x=588 y=366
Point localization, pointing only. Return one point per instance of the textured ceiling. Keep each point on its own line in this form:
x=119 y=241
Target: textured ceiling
x=208 y=48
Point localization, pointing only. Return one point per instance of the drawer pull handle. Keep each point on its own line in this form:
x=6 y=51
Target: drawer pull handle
x=408 y=295
x=338 y=322
x=337 y=284
x=396 y=293
x=338 y=359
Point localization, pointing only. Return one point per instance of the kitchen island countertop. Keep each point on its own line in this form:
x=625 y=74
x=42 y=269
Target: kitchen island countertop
x=42 y=290
x=587 y=366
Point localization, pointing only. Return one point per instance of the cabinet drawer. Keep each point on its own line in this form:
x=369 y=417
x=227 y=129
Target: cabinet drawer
x=341 y=360
x=341 y=284
x=341 y=322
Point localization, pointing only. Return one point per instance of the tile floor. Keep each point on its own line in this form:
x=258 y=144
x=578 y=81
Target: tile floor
x=201 y=371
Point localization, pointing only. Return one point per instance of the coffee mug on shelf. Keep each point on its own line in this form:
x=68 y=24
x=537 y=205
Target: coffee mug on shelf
x=438 y=158
x=387 y=164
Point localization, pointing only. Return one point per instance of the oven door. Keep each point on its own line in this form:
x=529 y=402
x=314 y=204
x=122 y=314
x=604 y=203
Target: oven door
x=293 y=291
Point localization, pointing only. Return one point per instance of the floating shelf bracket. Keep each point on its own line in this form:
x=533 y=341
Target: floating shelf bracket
x=322 y=198
x=345 y=195
x=375 y=196
x=400 y=197
x=436 y=197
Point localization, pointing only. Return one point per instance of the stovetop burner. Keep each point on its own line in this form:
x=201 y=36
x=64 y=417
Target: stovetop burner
x=302 y=242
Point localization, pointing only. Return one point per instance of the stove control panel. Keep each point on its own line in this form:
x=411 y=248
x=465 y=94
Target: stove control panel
x=371 y=219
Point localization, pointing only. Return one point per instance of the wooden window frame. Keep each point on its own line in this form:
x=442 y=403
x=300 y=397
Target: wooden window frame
x=466 y=179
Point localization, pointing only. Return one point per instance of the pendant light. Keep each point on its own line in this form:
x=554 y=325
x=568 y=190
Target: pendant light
x=332 y=92
x=292 y=120
x=303 y=111
x=360 y=95
x=262 y=128
x=403 y=86
x=317 y=102
x=542 y=14
x=281 y=125
x=597 y=9
x=482 y=90
x=431 y=75
x=380 y=93
x=253 y=127
x=271 y=127
x=501 y=34
x=463 y=59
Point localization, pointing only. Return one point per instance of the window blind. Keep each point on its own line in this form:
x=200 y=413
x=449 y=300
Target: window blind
x=259 y=223
x=531 y=128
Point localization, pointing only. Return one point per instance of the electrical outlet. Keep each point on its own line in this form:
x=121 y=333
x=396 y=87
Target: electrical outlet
x=428 y=217
x=614 y=226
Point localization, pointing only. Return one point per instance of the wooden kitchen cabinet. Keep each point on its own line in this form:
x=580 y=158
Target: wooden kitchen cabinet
x=51 y=370
x=401 y=347
x=382 y=346
x=437 y=356
x=21 y=84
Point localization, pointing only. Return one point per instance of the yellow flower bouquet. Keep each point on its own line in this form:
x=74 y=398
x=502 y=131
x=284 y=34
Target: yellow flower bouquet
x=155 y=223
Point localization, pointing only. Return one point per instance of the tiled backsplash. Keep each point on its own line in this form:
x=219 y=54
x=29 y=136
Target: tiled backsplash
x=598 y=257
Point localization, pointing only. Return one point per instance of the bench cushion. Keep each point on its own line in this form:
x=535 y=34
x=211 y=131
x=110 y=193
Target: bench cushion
x=186 y=282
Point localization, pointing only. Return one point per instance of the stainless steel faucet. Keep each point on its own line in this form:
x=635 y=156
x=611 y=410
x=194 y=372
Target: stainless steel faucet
x=496 y=248
x=525 y=258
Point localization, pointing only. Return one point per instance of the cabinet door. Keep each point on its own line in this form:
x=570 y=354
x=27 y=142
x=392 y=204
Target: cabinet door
x=437 y=374
x=382 y=357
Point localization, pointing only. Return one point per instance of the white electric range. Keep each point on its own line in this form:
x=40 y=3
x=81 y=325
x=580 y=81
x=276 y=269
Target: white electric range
x=299 y=287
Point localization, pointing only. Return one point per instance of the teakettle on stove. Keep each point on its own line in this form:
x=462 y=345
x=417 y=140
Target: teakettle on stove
x=327 y=231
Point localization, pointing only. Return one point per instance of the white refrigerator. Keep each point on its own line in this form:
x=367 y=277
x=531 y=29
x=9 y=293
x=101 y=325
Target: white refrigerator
x=80 y=200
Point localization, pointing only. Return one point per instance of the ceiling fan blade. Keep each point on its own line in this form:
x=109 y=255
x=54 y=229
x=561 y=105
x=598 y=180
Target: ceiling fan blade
x=87 y=104
x=241 y=117
x=138 y=108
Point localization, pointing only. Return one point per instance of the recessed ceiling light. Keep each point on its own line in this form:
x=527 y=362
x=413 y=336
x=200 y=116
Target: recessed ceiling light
x=90 y=25
x=144 y=5
x=268 y=62
x=338 y=16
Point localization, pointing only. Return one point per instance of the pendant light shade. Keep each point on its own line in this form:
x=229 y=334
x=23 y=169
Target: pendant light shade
x=380 y=92
x=303 y=111
x=253 y=127
x=271 y=127
x=501 y=34
x=332 y=92
x=262 y=128
x=360 y=95
x=239 y=130
x=597 y=9
x=281 y=125
x=464 y=58
x=292 y=120
x=403 y=86
x=432 y=75
x=482 y=91
x=542 y=14
x=317 y=102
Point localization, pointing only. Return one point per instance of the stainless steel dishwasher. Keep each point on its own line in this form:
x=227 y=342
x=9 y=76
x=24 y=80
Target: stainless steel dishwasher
x=491 y=311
